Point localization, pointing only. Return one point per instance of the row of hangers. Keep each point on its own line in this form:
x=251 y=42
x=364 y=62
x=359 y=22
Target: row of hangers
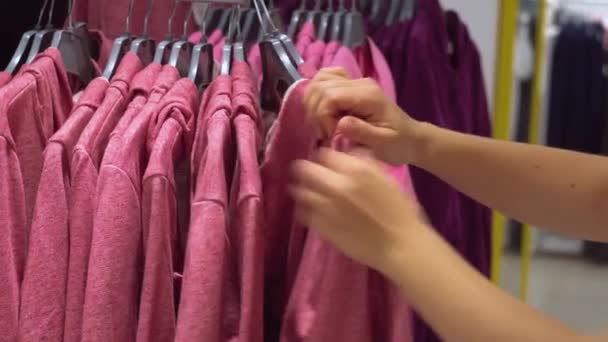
x=280 y=58
x=339 y=23
x=75 y=44
x=242 y=25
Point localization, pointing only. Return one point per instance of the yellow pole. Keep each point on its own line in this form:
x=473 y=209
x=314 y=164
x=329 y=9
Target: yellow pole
x=534 y=138
x=509 y=10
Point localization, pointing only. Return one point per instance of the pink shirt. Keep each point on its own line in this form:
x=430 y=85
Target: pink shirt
x=86 y=158
x=202 y=313
x=169 y=138
x=314 y=53
x=5 y=77
x=115 y=264
x=291 y=138
x=255 y=61
x=373 y=64
x=246 y=232
x=32 y=107
x=330 y=53
x=43 y=292
x=328 y=283
x=44 y=86
x=305 y=37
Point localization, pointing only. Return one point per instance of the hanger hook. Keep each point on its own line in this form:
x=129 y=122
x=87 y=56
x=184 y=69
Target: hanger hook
x=170 y=21
x=41 y=14
x=268 y=17
x=203 y=24
x=49 y=23
x=258 y=12
x=234 y=23
x=71 y=14
x=128 y=21
x=186 y=22
x=147 y=18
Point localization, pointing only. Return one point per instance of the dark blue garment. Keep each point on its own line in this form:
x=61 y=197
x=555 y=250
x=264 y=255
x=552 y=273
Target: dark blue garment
x=577 y=112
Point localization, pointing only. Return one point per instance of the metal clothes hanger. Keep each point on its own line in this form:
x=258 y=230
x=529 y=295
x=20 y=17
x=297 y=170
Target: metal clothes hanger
x=224 y=21
x=92 y=45
x=393 y=11
x=145 y=46
x=25 y=44
x=74 y=50
x=379 y=11
x=163 y=49
x=314 y=16
x=251 y=27
x=297 y=19
x=279 y=70
x=275 y=33
x=227 y=51
x=238 y=47
x=120 y=46
x=201 y=66
x=44 y=37
x=354 y=28
x=325 y=21
x=408 y=10
x=337 y=22
x=276 y=16
x=181 y=52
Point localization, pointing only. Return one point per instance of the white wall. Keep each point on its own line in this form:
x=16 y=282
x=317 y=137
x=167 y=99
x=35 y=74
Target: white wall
x=481 y=16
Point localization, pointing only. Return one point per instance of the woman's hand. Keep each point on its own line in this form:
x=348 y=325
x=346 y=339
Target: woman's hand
x=373 y=120
x=351 y=202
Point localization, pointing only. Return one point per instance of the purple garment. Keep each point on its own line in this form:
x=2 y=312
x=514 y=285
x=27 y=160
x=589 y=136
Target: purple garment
x=447 y=91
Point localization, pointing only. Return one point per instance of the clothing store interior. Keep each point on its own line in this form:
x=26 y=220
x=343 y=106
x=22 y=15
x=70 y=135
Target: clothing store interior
x=146 y=152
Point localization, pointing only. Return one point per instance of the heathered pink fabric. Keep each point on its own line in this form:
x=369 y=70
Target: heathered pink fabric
x=374 y=65
x=328 y=283
x=5 y=77
x=43 y=292
x=86 y=159
x=215 y=37
x=200 y=316
x=305 y=37
x=115 y=265
x=32 y=107
x=255 y=61
x=170 y=138
x=330 y=53
x=12 y=216
x=291 y=138
x=246 y=231
x=314 y=53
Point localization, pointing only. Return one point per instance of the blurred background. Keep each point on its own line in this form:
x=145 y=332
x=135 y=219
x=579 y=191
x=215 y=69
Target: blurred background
x=546 y=66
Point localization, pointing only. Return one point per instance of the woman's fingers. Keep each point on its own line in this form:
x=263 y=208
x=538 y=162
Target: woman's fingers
x=316 y=177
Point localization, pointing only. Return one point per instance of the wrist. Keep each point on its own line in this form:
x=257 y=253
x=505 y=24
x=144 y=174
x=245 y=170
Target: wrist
x=418 y=138
x=404 y=256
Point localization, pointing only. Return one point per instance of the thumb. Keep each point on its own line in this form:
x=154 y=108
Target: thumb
x=360 y=131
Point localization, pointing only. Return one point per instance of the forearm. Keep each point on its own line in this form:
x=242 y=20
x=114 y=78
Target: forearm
x=553 y=189
x=461 y=305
